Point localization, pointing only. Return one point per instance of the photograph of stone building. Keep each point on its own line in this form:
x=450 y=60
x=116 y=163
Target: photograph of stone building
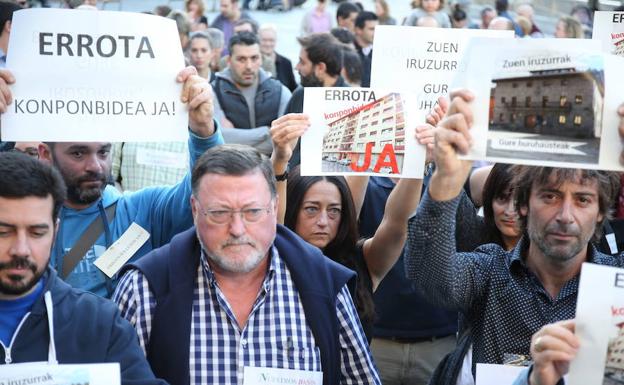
x=554 y=106
x=614 y=367
x=370 y=128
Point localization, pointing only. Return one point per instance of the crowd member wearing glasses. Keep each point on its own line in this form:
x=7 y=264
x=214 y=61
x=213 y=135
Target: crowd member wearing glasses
x=323 y=210
x=238 y=290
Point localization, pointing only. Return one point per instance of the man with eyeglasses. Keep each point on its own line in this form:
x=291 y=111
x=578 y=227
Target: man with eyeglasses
x=238 y=293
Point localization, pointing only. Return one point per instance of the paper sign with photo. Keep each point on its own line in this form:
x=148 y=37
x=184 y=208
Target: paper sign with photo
x=600 y=327
x=48 y=374
x=544 y=102
x=609 y=30
x=493 y=374
x=94 y=76
x=421 y=60
x=361 y=131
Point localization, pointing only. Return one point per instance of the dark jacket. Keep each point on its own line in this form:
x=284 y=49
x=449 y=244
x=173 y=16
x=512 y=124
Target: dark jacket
x=284 y=72
x=171 y=271
x=86 y=328
x=234 y=105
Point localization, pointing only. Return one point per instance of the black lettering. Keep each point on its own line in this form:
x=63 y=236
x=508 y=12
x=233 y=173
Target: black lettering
x=336 y=95
x=430 y=46
x=84 y=42
x=63 y=40
x=328 y=95
x=148 y=48
x=618 y=17
x=126 y=40
x=43 y=43
x=46 y=106
x=619 y=280
x=113 y=45
x=18 y=106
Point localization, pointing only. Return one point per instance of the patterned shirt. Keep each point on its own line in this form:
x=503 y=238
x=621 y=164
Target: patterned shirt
x=276 y=334
x=503 y=302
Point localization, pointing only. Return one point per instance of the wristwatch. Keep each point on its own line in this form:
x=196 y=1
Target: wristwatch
x=282 y=177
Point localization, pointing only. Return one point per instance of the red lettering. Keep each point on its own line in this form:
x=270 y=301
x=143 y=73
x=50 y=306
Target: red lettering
x=617 y=311
x=387 y=152
x=367 y=159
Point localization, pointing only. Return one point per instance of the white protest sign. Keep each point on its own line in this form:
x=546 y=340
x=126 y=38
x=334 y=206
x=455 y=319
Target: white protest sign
x=273 y=376
x=493 y=374
x=122 y=250
x=47 y=374
x=361 y=131
x=609 y=30
x=544 y=102
x=94 y=76
x=599 y=326
x=421 y=60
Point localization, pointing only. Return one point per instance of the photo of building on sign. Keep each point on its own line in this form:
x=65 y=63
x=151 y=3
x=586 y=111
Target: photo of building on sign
x=369 y=139
x=614 y=367
x=553 y=114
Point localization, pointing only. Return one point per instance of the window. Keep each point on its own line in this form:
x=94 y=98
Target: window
x=562 y=119
x=562 y=101
x=529 y=83
x=514 y=85
x=578 y=120
x=527 y=101
x=512 y=117
x=513 y=101
x=545 y=101
x=501 y=117
x=564 y=82
x=503 y=100
x=578 y=99
x=546 y=83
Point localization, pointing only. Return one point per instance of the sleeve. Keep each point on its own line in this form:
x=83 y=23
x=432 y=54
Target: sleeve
x=284 y=99
x=136 y=304
x=470 y=232
x=357 y=361
x=449 y=278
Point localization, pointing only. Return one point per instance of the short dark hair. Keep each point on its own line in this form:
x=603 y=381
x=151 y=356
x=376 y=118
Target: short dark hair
x=343 y=35
x=323 y=48
x=501 y=6
x=363 y=17
x=201 y=35
x=233 y=160
x=243 y=38
x=253 y=23
x=345 y=9
x=162 y=10
x=352 y=65
x=497 y=185
x=487 y=9
x=7 y=8
x=527 y=177
x=23 y=176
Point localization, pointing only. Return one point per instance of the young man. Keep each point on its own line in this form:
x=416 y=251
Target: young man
x=42 y=319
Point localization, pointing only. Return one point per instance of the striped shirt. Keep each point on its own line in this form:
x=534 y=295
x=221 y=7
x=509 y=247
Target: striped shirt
x=276 y=334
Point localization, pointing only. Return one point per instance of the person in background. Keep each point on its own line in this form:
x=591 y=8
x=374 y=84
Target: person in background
x=184 y=28
x=162 y=10
x=29 y=148
x=216 y=42
x=351 y=67
x=586 y=17
x=569 y=27
x=230 y=13
x=346 y=14
x=200 y=55
x=365 y=24
x=317 y=20
x=502 y=9
x=382 y=10
x=527 y=10
x=283 y=70
x=7 y=8
x=487 y=14
x=433 y=8
x=195 y=11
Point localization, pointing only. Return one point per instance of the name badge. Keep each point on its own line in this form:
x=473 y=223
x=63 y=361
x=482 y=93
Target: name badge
x=122 y=250
x=272 y=376
x=46 y=374
x=156 y=158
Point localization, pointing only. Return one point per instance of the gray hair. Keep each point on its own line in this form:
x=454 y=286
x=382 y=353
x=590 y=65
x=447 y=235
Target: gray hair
x=216 y=37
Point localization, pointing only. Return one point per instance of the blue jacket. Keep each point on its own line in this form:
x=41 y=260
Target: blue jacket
x=171 y=272
x=86 y=328
x=162 y=211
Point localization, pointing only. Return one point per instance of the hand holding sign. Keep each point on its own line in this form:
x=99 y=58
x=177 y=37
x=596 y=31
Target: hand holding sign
x=552 y=349
x=196 y=91
x=452 y=137
x=6 y=97
x=285 y=132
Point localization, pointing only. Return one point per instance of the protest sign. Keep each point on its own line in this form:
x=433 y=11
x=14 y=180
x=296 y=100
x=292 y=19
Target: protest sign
x=599 y=327
x=609 y=30
x=492 y=374
x=50 y=374
x=94 y=76
x=360 y=131
x=421 y=60
x=544 y=102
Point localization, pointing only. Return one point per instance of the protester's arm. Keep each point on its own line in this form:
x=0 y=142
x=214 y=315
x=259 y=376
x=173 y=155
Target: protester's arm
x=285 y=132
x=357 y=366
x=284 y=99
x=136 y=304
x=448 y=278
x=357 y=185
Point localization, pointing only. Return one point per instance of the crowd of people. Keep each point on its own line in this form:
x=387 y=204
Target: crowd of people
x=369 y=280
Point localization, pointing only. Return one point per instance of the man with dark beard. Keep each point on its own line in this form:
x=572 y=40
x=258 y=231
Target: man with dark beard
x=42 y=319
x=161 y=212
x=320 y=63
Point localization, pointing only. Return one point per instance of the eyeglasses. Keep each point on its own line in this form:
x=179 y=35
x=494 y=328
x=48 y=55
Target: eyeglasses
x=222 y=216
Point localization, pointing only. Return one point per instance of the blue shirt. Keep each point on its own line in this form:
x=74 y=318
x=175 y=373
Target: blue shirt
x=12 y=312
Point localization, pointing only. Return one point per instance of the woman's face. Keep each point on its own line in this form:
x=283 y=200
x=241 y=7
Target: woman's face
x=430 y=5
x=193 y=6
x=505 y=216
x=379 y=9
x=560 y=30
x=200 y=53
x=320 y=213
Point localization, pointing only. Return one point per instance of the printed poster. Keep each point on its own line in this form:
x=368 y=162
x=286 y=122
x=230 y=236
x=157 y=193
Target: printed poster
x=48 y=374
x=361 y=131
x=609 y=30
x=94 y=76
x=421 y=60
x=544 y=102
x=600 y=327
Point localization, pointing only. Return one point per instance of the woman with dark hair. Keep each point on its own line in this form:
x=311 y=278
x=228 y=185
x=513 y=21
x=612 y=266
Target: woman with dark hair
x=323 y=210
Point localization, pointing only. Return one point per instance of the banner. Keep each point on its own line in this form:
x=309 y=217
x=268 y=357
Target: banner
x=94 y=76
x=609 y=30
x=361 y=131
x=47 y=374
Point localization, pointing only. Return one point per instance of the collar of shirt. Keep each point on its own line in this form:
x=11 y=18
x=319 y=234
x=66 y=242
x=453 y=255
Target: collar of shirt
x=266 y=284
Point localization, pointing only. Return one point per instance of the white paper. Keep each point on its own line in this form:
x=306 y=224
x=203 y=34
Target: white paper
x=361 y=131
x=272 y=376
x=599 y=326
x=46 y=374
x=122 y=250
x=72 y=92
x=421 y=60
x=544 y=102
x=609 y=30
x=492 y=374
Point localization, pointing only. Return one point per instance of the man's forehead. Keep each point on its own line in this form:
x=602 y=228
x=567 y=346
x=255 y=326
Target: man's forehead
x=82 y=145
x=245 y=50
x=558 y=180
